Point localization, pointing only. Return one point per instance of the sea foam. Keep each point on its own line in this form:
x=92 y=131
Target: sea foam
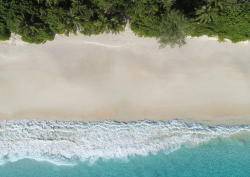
x=66 y=143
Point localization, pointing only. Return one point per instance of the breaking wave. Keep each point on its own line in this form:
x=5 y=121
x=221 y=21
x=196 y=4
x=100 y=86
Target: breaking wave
x=66 y=143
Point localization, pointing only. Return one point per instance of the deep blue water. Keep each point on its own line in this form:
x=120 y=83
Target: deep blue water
x=220 y=158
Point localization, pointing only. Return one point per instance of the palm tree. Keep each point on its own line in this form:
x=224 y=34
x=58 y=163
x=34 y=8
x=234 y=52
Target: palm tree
x=106 y=25
x=26 y=25
x=72 y=22
x=207 y=12
x=76 y=18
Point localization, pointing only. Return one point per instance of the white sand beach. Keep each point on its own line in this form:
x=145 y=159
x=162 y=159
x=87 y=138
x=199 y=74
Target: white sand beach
x=125 y=78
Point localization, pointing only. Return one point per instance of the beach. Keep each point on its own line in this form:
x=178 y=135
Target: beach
x=117 y=105
x=125 y=78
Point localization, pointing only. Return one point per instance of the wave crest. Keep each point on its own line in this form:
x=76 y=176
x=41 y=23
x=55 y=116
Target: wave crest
x=69 y=142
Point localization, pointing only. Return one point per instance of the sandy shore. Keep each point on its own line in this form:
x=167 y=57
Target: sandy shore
x=125 y=78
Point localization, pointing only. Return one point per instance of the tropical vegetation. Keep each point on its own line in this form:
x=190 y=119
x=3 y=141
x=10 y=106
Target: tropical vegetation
x=174 y=29
x=169 y=21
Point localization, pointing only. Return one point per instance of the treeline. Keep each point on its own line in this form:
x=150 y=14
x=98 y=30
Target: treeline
x=169 y=21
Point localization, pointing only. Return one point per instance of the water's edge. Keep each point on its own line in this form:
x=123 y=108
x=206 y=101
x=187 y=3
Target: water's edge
x=67 y=143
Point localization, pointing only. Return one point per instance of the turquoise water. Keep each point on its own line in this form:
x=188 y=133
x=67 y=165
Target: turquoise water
x=219 y=157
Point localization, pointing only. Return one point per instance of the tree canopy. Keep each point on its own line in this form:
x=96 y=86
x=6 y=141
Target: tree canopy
x=169 y=21
x=174 y=29
x=232 y=23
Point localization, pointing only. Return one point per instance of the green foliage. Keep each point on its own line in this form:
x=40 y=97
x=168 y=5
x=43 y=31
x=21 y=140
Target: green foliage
x=109 y=16
x=187 y=6
x=23 y=18
x=170 y=21
x=216 y=3
x=26 y=25
x=146 y=26
x=146 y=17
x=71 y=22
x=104 y=23
x=168 y=3
x=32 y=29
x=54 y=17
x=4 y=32
x=174 y=29
x=110 y=6
x=40 y=37
x=232 y=24
x=50 y=2
x=206 y=13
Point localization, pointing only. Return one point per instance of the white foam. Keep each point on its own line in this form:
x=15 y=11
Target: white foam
x=69 y=142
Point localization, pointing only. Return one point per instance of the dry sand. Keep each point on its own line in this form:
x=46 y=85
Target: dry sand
x=125 y=78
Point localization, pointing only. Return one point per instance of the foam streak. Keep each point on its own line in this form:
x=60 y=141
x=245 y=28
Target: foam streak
x=68 y=142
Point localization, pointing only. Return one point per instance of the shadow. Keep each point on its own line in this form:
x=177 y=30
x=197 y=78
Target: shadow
x=187 y=6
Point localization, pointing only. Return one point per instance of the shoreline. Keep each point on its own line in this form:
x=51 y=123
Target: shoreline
x=125 y=78
x=75 y=141
x=124 y=112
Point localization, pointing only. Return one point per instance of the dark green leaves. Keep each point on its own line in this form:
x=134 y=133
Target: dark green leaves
x=26 y=25
x=208 y=12
x=4 y=32
x=174 y=29
x=169 y=20
x=232 y=24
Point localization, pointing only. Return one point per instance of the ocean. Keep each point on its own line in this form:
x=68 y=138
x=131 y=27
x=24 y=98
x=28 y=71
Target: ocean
x=105 y=149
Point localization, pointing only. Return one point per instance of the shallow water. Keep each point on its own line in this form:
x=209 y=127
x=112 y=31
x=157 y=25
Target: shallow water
x=195 y=150
x=216 y=158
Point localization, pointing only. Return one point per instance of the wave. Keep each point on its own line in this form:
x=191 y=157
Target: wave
x=66 y=143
